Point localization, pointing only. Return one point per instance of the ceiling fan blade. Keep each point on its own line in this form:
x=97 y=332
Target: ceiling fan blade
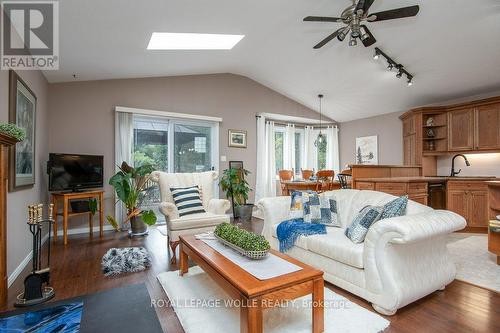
x=364 y=5
x=394 y=14
x=327 y=39
x=370 y=40
x=322 y=19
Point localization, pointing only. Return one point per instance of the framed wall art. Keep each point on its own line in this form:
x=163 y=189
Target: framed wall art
x=237 y=138
x=22 y=112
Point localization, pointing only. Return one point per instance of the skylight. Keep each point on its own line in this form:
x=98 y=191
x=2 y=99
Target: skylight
x=192 y=41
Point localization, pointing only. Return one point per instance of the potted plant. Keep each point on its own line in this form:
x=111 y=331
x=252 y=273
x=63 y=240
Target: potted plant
x=131 y=184
x=14 y=131
x=235 y=186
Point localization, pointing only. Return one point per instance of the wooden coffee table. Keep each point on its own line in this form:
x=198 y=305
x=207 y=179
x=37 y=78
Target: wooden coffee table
x=258 y=294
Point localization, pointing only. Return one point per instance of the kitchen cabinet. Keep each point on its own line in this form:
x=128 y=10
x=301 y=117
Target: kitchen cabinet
x=409 y=149
x=461 y=130
x=415 y=187
x=487 y=127
x=470 y=200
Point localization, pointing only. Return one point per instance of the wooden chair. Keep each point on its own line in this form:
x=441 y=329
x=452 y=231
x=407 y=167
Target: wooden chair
x=306 y=174
x=325 y=180
x=345 y=178
x=285 y=175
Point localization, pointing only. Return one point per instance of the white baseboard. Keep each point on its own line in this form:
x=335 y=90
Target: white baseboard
x=19 y=269
x=84 y=230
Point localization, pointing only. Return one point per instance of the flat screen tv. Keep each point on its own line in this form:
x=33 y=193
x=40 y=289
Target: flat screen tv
x=69 y=172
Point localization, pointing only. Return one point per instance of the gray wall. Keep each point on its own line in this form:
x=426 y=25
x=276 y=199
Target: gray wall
x=82 y=113
x=389 y=129
x=18 y=236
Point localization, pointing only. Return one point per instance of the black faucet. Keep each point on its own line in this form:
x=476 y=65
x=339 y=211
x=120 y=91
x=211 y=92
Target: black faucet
x=453 y=172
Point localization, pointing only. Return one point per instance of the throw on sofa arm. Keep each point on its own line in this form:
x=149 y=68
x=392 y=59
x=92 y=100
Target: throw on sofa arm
x=218 y=206
x=275 y=210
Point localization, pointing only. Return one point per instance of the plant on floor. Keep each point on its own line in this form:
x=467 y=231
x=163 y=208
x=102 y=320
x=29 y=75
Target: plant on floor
x=13 y=131
x=233 y=182
x=131 y=184
x=93 y=206
x=245 y=240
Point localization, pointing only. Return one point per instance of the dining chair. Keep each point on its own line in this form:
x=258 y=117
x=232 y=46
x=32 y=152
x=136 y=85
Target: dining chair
x=285 y=175
x=306 y=174
x=325 y=180
x=345 y=178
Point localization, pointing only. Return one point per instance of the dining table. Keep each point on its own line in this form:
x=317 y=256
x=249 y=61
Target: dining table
x=305 y=185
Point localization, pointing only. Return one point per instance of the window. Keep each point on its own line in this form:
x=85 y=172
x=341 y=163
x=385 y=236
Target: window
x=299 y=143
x=321 y=149
x=279 y=136
x=172 y=145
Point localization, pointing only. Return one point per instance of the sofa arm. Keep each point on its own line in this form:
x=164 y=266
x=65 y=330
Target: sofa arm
x=169 y=210
x=417 y=227
x=218 y=206
x=275 y=210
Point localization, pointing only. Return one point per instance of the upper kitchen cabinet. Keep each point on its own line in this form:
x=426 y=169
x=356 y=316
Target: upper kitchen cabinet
x=487 y=127
x=461 y=130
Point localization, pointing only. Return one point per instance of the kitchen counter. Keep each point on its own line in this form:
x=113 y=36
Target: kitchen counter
x=421 y=179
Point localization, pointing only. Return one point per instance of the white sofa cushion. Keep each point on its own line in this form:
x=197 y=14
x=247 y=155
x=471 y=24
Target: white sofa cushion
x=197 y=221
x=335 y=245
x=300 y=242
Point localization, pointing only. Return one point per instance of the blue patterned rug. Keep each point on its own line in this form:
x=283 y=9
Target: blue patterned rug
x=61 y=319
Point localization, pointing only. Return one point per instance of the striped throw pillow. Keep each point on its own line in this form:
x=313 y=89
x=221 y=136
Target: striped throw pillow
x=187 y=200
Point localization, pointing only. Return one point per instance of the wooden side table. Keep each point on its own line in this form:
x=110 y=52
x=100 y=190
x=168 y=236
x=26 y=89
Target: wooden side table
x=493 y=229
x=65 y=197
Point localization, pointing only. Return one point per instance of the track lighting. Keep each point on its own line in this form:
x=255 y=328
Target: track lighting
x=391 y=64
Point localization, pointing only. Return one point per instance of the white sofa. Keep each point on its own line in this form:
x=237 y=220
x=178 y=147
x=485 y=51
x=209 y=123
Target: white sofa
x=402 y=259
x=195 y=223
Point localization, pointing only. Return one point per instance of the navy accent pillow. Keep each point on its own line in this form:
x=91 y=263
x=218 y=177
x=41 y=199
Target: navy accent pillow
x=396 y=207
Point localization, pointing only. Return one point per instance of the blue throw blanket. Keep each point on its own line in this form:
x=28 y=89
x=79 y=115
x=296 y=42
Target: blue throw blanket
x=289 y=231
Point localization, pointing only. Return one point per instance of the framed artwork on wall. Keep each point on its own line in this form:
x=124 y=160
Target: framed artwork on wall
x=367 y=150
x=22 y=112
x=236 y=164
x=237 y=138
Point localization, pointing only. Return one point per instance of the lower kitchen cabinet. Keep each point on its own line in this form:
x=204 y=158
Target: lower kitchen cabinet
x=470 y=200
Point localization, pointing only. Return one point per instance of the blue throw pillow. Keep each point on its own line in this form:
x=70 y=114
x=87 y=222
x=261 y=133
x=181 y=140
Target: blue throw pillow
x=366 y=217
x=320 y=209
x=396 y=207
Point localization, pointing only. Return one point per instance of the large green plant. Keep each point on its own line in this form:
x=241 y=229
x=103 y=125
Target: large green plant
x=130 y=185
x=235 y=186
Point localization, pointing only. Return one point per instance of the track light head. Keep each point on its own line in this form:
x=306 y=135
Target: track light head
x=400 y=71
x=376 y=56
x=390 y=66
x=410 y=80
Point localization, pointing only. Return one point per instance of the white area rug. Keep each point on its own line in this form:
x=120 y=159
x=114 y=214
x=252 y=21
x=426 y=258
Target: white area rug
x=475 y=264
x=201 y=307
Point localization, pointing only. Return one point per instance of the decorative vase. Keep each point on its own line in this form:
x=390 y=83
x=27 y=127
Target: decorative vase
x=137 y=227
x=244 y=212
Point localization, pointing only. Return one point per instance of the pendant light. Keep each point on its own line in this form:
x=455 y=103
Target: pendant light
x=321 y=137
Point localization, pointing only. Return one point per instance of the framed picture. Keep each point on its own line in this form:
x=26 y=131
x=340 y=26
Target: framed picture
x=22 y=112
x=237 y=138
x=236 y=164
x=367 y=150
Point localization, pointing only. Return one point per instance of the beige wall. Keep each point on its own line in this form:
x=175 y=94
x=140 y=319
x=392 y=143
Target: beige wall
x=18 y=235
x=480 y=165
x=82 y=117
x=388 y=127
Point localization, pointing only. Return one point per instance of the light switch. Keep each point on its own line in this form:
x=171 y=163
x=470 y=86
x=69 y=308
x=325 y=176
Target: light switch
x=223 y=158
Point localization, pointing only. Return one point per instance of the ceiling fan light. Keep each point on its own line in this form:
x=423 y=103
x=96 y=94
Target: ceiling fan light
x=353 y=42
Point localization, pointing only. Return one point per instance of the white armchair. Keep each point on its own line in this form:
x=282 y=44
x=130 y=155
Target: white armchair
x=215 y=209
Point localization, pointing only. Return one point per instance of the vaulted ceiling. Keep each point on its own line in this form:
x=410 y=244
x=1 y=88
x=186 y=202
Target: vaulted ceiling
x=452 y=47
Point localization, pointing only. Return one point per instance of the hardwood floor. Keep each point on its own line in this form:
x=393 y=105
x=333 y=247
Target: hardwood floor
x=76 y=271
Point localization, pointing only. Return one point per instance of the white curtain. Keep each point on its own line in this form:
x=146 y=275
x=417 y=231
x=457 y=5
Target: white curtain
x=266 y=164
x=124 y=134
x=310 y=152
x=289 y=148
x=332 y=149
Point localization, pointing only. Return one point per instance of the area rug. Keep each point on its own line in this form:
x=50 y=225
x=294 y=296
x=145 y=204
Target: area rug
x=203 y=307
x=64 y=318
x=123 y=260
x=119 y=310
x=475 y=264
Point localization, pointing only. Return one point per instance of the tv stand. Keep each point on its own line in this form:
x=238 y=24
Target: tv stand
x=65 y=197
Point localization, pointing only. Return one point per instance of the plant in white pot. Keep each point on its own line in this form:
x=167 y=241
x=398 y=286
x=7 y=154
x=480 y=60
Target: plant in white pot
x=237 y=189
x=131 y=184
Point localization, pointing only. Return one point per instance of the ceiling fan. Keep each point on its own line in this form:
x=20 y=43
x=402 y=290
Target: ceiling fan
x=354 y=16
